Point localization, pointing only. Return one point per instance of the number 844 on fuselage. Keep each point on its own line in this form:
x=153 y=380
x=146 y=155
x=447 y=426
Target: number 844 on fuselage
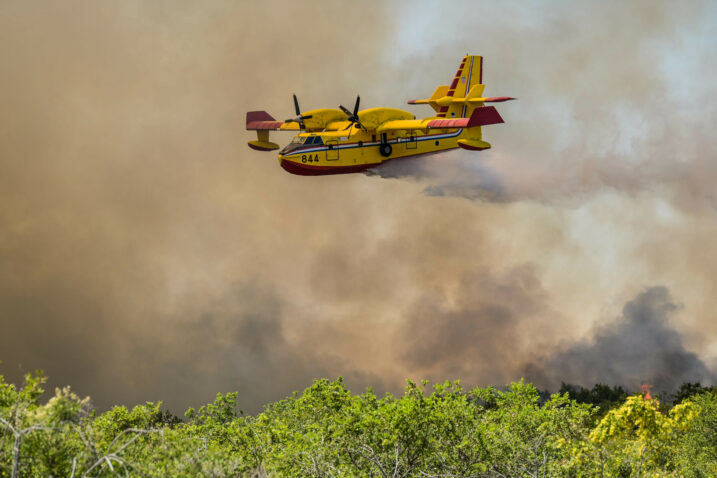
x=338 y=141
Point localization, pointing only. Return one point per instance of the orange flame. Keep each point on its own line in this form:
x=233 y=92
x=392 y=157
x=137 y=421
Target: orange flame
x=645 y=388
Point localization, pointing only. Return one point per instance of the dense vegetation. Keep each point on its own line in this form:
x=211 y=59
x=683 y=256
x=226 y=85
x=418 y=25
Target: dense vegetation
x=326 y=431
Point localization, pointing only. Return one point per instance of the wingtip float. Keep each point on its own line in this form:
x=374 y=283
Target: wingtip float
x=340 y=141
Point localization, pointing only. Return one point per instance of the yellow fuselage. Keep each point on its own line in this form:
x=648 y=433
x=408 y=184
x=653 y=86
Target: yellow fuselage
x=338 y=152
x=337 y=140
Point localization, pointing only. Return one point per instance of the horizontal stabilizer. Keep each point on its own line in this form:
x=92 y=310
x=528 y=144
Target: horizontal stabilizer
x=491 y=99
x=496 y=99
x=439 y=93
x=449 y=100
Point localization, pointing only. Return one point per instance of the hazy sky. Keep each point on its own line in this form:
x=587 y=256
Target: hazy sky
x=147 y=254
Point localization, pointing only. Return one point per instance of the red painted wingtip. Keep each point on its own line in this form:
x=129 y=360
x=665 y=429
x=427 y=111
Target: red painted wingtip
x=449 y=123
x=264 y=125
x=498 y=99
x=256 y=116
x=484 y=116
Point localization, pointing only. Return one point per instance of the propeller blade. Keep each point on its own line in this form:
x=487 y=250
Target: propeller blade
x=345 y=110
x=356 y=107
x=296 y=106
x=299 y=119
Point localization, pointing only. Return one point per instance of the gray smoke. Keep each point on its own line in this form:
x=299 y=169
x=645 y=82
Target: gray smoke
x=475 y=331
x=451 y=173
x=641 y=346
x=608 y=98
x=147 y=254
x=240 y=340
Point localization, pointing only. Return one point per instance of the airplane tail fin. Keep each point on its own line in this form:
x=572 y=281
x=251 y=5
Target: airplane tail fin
x=468 y=77
x=464 y=94
x=446 y=99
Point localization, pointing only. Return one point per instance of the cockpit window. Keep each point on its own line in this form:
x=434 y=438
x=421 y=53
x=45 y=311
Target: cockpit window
x=307 y=140
x=316 y=140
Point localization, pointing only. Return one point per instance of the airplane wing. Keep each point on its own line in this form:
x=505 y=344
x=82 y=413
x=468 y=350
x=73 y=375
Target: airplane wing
x=314 y=120
x=483 y=116
x=402 y=125
x=261 y=121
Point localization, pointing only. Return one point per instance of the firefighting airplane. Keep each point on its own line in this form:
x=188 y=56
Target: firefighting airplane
x=337 y=141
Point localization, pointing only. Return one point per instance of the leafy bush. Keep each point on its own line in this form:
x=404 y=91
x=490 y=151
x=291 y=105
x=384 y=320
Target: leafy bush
x=328 y=431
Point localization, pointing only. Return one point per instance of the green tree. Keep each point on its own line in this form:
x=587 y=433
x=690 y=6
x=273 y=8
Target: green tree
x=528 y=440
x=44 y=438
x=635 y=440
x=601 y=396
x=326 y=431
x=696 y=445
x=688 y=390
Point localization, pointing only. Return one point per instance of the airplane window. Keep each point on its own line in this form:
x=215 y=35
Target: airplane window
x=318 y=140
x=298 y=140
x=309 y=140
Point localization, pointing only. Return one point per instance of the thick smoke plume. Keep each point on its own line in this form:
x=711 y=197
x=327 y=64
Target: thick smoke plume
x=639 y=347
x=608 y=98
x=147 y=254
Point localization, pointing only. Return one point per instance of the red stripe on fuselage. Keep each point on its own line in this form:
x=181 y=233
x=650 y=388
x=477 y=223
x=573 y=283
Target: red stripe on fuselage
x=311 y=170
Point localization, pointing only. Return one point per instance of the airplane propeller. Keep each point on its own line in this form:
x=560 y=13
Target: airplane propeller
x=352 y=116
x=299 y=117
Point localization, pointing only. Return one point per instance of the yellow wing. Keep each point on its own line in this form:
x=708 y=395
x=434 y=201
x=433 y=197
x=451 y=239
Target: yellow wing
x=482 y=116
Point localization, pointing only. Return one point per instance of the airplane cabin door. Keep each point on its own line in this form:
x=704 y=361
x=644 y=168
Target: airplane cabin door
x=332 y=153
